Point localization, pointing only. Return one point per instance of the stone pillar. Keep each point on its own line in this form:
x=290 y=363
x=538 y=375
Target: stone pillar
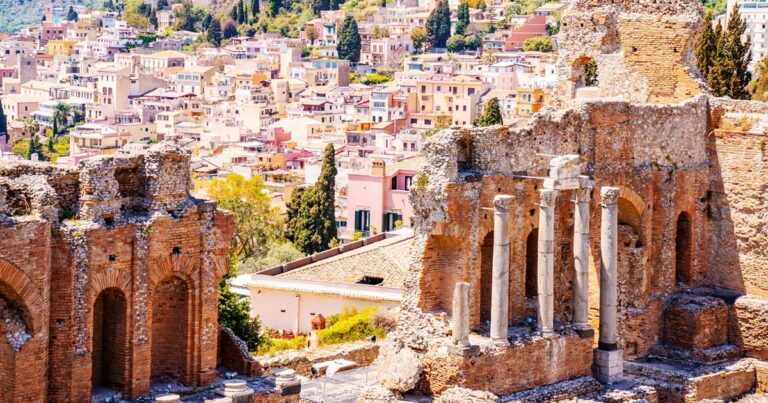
x=460 y=323
x=237 y=391
x=287 y=383
x=581 y=263
x=608 y=359
x=500 y=280
x=546 y=262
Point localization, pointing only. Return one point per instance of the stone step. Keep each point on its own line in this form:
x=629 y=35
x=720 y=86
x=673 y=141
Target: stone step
x=561 y=391
x=692 y=382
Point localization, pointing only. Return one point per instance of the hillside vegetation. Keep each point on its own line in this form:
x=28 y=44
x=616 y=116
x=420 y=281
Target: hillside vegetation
x=19 y=14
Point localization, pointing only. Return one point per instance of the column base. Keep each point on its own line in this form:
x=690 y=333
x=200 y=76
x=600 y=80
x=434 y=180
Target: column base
x=585 y=333
x=608 y=365
x=500 y=342
x=547 y=334
x=464 y=351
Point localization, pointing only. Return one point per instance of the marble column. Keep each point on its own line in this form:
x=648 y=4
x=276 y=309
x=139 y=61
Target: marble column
x=500 y=279
x=546 y=261
x=461 y=315
x=609 y=361
x=581 y=261
x=460 y=323
x=608 y=267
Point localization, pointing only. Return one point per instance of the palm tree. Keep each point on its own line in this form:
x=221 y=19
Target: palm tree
x=61 y=114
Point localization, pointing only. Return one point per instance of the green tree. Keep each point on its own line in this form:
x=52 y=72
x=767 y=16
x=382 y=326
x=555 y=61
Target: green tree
x=311 y=214
x=706 y=48
x=383 y=3
x=463 y=18
x=71 y=14
x=539 y=44
x=257 y=223
x=455 y=43
x=214 y=32
x=35 y=148
x=278 y=252
x=234 y=312
x=725 y=64
x=492 y=114
x=230 y=30
x=274 y=7
x=241 y=17
x=472 y=42
x=255 y=8
x=439 y=25
x=419 y=38
x=758 y=88
x=233 y=13
x=4 y=124
x=60 y=119
x=349 y=43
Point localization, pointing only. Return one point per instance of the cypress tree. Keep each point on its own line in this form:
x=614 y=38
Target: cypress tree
x=439 y=25
x=737 y=56
x=4 y=124
x=35 y=148
x=492 y=115
x=240 y=12
x=463 y=18
x=214 y=32
x=706 y=49
x=255 y=8
x=312 y=221
x=274 y=7
x=71 y=14
x=333 y=4
x=349 y=40
x=233 y=12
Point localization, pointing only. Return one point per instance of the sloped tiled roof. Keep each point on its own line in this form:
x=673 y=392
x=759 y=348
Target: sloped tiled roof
x=387 y=259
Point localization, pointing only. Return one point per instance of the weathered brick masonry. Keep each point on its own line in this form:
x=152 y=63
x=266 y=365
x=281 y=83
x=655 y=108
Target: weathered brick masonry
x=112 y=270
x=691 y=217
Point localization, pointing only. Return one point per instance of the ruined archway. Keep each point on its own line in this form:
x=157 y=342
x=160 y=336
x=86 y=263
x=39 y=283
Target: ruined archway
x=109 y=351
x=170 y=329
x=486 y=276
x=531 y=264
x=683 y=241
x=14 y=334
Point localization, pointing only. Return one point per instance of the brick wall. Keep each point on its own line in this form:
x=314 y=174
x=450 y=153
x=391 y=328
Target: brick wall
x=530 y=364
x=234 y=354
x=139 y=264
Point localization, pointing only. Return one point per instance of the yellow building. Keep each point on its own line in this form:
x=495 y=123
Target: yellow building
x=61 y=47
x=529 y=101
x=452 y=100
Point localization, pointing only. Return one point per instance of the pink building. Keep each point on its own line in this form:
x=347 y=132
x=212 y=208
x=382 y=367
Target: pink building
x=379 y=198
x=50 y=31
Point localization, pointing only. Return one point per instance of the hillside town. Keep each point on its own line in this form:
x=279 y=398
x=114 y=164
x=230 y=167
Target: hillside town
x=381 y=201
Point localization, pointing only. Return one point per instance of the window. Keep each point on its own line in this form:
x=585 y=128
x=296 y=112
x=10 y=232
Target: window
x=470 y=91
x=408 y=181
x=394 y=183
x=362 y=220
x=427 y=121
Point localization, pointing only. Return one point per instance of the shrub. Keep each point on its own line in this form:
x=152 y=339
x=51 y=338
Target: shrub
x=350 y=328
x=272 y=346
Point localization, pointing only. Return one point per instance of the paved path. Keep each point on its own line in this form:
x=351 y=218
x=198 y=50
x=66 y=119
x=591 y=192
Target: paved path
x=343 y=387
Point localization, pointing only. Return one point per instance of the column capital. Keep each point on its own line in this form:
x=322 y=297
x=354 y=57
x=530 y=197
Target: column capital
x=609 y=195
x=548 y=197
x=503 y=202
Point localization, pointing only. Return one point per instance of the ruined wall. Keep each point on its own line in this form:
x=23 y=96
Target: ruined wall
x=644 y=50
x=113 y=236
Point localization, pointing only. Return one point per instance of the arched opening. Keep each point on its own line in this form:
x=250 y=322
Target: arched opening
x=585 y=73
x=531 y=264
x=486 y=277
x=170 y=308
x=683 y=249
x=110 y=341
x=14 y=333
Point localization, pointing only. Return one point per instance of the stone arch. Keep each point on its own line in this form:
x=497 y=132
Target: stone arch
x=110 y=340
x=172 y=300
x=21 y=315
x=683 y=248
x=179 y=265
x=18 y=287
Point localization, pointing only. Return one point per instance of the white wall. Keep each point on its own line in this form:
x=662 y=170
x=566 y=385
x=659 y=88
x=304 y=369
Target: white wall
x=290 y=310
